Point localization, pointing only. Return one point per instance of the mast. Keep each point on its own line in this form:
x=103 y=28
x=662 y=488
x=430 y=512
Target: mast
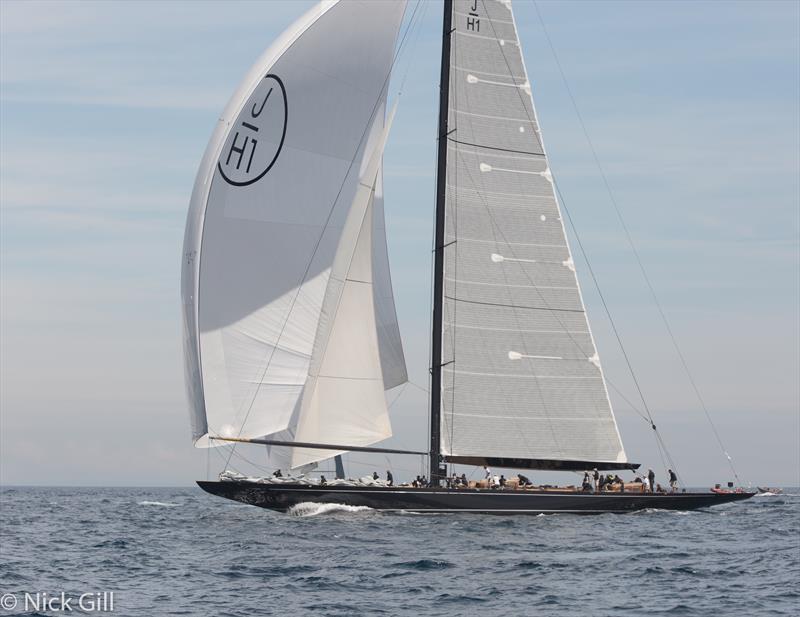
x=438 y=262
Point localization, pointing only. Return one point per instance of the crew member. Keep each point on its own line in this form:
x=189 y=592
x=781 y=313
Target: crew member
x=389 y=478
x=673 y=481
x=651 y=479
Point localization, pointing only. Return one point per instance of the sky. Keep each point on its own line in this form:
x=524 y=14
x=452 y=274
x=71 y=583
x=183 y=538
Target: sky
x=693 y=109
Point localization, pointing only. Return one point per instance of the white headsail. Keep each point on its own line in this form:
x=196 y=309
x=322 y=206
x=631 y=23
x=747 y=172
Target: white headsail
x=343 y=401
x=268 y=217
x=393 y=361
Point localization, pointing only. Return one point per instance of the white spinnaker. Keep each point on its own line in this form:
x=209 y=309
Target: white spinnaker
x=271 y=198
x=343 y=401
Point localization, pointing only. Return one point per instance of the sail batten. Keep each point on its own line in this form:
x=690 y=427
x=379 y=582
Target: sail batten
x=520 y=376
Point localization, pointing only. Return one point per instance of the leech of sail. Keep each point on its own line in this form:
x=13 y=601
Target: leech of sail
x=318 y=446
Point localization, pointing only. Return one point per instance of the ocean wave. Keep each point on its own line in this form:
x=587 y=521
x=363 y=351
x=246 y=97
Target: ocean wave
x=311 y=508
x=163 y=504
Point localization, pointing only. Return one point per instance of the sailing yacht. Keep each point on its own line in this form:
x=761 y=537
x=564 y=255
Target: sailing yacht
x=290 y=329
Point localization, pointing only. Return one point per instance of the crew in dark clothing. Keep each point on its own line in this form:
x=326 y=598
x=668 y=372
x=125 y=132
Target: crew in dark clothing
x=596 y=477
x=502 y=480
x=389 y=478
x=464 y=480
x=277 y=474
x=375 y=475
x=601 y=484
x=322 y=481
x=673 y=481
x=651 y=476
x=523 y=481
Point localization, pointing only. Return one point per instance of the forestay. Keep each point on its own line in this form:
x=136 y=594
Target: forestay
x=520 y=374
x=266 y=219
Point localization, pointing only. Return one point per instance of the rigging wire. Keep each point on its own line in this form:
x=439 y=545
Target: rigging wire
x=632 y=246
x=419 y=387
x=627 y=400
x=399 y=394
x=414 y=43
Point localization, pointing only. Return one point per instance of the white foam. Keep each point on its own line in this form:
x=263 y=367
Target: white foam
x=662 y=511
x=159 y=503
x=310 y=508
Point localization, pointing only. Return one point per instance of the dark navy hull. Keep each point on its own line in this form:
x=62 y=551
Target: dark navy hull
x=282 y=497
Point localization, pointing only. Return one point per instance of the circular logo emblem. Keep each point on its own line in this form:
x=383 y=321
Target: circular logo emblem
x=255 y=141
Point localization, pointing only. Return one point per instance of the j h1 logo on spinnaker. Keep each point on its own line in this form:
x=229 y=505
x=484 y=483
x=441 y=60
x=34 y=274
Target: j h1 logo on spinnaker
x=256 y=138
x=58 y=602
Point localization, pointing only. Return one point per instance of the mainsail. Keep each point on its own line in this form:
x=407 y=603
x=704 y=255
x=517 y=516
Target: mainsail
x=267 y=220
x=521 y=381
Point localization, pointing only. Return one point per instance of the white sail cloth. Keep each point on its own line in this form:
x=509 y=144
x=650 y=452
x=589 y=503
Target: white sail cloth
x=520 y=377
x=343 y=400
x=267 y=219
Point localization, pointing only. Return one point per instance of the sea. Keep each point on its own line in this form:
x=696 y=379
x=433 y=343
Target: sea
x=179 y=551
